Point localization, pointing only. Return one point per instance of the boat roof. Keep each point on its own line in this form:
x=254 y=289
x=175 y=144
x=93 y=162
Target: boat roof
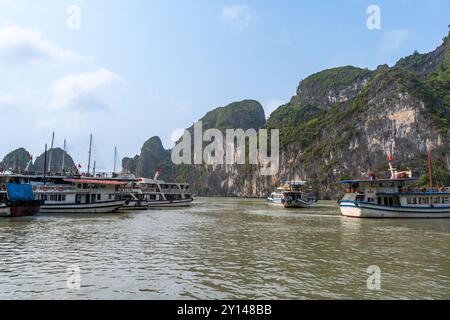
x=297 y=182
x=105 y=182
x=378 y=180
x=152 y=181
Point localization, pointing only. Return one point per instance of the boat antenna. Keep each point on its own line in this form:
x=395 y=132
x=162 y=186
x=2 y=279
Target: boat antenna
x=115 y=159
x=430 y=166
x=50 y=154
x=90 y=151
x=45 y=163
x=64 y=157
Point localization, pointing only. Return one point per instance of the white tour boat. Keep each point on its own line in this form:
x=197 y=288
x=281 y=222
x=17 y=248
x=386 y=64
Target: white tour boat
x=78 y=195
x=294 y=194
x=396 y=197
x=161 y=194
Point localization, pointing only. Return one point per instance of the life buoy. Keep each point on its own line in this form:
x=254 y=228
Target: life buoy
x=138 y=204
x=61 y=189
x=45 y=188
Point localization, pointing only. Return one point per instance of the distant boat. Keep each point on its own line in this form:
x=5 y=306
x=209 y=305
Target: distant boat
x=294 y=194
x=17 y=198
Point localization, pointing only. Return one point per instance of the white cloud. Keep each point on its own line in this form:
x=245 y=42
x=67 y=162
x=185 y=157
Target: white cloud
x=239 y=16
x=82 y=91
x=394 y=40
x=20 y=46
x=271 y=106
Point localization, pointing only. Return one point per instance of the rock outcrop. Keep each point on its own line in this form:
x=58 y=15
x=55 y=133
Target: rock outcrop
x=342 y=123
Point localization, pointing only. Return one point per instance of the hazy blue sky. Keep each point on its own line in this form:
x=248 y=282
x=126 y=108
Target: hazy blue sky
x=136 y=69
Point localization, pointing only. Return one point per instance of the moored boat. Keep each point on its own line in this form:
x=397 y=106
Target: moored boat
x=294 y=194
x=78 y=195
x=161 y=194
x=17 y=199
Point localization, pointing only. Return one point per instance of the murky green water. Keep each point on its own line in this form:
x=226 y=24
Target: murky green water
x=227 y=249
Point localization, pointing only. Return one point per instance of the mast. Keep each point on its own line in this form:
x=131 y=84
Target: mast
x=45 y=163
x=93 y=171
x=90 y=151
x=64 y=157
x=50 y=154
x=430 y=167
x=115 y=159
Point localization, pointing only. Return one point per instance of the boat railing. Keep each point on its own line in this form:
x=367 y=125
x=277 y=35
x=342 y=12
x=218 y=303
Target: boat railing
x=423 y=190
x=54 y=188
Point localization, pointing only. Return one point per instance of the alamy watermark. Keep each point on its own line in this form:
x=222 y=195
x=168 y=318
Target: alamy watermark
x=73 y=281
x=74 y=17
x=374 y=280
x=374 y=19
x=231 y=149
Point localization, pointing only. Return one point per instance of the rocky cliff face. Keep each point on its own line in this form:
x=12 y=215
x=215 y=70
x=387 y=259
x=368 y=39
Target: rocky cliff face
x=16 y=160
x=153 y=158
x=56 y=162
x=342 y=123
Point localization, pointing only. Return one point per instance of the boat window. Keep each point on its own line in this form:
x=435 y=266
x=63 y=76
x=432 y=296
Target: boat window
x=99 y=197
x=360 y=198
x=437 y=200
x=446 y=200
x=379 y=200
x=391 y=202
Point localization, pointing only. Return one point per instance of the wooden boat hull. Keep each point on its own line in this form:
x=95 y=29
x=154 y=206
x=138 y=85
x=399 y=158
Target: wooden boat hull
x=88 y=208
x=22 y=209
x=135 y=205
x=298 y=204
x=356 y=210
x=170 y=204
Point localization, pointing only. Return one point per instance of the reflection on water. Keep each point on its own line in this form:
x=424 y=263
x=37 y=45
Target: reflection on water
x=224 y=248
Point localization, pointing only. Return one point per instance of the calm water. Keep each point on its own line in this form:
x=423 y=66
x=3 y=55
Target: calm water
x=224 y=248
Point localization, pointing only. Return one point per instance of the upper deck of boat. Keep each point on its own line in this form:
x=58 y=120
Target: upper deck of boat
x=368 y=180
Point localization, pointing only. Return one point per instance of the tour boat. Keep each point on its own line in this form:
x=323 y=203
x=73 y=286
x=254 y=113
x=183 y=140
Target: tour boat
x=294 y=194
x=133 y=196
x=78 y=194
x=16 y=198
x=397 y=197
x=161 y=194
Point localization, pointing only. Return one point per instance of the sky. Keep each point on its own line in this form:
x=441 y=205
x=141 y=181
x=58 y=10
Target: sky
x=129 y=70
